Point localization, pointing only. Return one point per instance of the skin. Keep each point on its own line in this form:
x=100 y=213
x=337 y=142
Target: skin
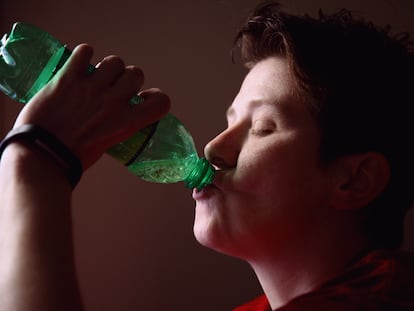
x=267 y=156
x=37 y=270
x=272 y=202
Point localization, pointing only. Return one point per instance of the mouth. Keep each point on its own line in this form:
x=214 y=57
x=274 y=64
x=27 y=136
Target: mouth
x=204 y=193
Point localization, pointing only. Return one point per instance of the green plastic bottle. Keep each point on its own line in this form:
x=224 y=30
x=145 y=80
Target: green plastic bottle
x=163 y=152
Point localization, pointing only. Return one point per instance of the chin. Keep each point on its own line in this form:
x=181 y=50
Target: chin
x=211 y=244
x=206 y=231
x=213 y=237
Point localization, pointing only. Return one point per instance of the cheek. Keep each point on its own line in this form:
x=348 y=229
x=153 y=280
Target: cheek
x=274 y=173
x=261 y=170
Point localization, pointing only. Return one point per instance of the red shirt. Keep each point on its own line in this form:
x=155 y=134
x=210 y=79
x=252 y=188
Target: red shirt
x=380 y=281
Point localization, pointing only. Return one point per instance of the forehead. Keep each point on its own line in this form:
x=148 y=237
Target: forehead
x=269 y=82
x=271 y=72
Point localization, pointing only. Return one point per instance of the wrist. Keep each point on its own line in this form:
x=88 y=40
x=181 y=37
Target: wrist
x=40 y=139
x=26 y=163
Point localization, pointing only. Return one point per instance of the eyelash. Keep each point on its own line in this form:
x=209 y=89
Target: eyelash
x=262 y=128
x=261 y=132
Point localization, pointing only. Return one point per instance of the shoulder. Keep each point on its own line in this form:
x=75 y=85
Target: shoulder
x=380 y=281
x=258 y=304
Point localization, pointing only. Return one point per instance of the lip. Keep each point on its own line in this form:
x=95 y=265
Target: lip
x=204 y=193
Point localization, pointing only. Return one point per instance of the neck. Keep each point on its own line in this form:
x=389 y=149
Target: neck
x=306 y=265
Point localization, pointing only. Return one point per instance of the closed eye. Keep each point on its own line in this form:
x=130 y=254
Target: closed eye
x=263 y=127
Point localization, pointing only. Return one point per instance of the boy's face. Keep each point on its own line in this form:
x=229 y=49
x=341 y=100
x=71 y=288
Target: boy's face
x=270 y=189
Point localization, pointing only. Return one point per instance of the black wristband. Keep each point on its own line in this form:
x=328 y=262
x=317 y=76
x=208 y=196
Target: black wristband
x=53 y=146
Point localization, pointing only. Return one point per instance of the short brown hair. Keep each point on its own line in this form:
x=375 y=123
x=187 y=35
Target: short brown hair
x=358 y=81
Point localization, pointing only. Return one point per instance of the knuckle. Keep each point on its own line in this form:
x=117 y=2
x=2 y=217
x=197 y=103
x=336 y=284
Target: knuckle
x=136 y=72
x=114 y=60
x=161 y=96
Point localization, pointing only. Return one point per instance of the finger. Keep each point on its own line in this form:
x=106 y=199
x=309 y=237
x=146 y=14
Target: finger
x=79 y=61
x=129 y=83
x=108 y=71
x=74 y=69
x=155 y=105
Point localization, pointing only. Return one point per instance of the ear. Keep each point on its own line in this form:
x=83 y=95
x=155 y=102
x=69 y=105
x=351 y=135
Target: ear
x=361 y=178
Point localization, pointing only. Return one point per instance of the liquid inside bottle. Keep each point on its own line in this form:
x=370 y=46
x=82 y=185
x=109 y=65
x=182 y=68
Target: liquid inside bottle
x=169 y=156
x=163 y=152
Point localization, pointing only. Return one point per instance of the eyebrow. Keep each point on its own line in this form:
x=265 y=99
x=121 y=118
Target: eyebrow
x=254 y=103
x=283 y=110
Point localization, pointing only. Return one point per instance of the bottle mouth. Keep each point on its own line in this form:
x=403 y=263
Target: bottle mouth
x=201 y=176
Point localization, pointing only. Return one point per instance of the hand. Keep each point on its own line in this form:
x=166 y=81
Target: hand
x=91 y=112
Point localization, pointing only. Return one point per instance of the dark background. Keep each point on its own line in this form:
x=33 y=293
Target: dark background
x=134 y=241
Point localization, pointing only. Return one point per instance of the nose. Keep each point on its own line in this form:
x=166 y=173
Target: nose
x=223 y=150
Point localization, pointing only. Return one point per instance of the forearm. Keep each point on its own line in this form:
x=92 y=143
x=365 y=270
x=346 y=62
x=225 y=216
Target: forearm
x=36 y=247
x=88 y=114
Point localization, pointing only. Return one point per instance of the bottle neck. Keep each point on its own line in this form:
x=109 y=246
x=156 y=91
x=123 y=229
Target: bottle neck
x=201 y=175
